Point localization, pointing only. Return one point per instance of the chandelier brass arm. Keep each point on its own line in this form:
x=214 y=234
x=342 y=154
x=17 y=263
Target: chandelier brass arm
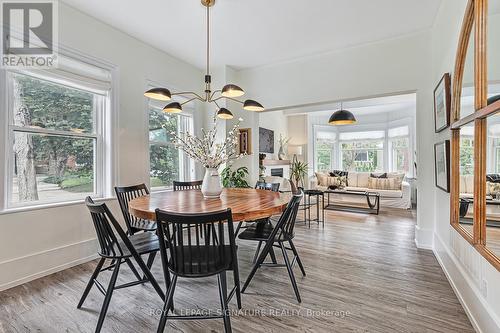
x=229 y=91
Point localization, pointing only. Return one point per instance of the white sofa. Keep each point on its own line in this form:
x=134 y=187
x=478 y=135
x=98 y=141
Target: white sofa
x=358 y=181
x=466 y=187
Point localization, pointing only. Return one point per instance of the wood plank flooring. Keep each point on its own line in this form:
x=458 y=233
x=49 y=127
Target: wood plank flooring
x=364 y=274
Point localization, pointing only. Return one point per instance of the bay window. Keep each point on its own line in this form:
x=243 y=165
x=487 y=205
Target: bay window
x=382 y=149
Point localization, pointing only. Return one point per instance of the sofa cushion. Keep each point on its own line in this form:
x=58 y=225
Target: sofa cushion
x=322 y=178
x=399 y=175
x=363 y=178
x=352 y=179
x=357 y=189
x=385 y=183
x=389 y=193
x=325 y=180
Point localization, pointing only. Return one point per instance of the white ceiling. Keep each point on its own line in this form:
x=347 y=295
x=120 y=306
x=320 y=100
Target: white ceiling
x=387 y=104
x=249 y=33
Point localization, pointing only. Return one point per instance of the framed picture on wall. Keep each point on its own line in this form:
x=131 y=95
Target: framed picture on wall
x=245 y=144
x=442 y=165
x=442 y=103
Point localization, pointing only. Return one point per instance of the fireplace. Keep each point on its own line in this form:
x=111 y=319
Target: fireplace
x=277 y=172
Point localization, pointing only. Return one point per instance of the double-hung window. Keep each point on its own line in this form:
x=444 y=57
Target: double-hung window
x=399 y=149
x=167 y=163
x=56 y=134
x=324 y=147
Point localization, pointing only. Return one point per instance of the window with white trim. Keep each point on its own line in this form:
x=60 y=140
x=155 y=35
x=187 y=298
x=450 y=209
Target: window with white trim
x=399 y=149
x=167 y=163
x=324 y=147
x=362 y=151
x=56 y=134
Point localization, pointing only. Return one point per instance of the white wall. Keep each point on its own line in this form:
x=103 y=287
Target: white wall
x=415 y=63
x=277 y=122
x=388 y=67
x=37 y=242
x=476 y=282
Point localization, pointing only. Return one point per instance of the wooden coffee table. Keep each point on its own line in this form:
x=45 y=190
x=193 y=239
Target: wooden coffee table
x=372 y=201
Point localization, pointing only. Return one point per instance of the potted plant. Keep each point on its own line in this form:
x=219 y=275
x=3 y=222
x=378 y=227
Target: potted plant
x=236 y=178
x=298 y=172
x=210 y=154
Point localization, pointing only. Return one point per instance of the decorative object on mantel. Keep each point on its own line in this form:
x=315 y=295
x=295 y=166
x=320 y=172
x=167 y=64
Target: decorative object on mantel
x=229 y=91
x=210 y=154
x=269 y=162
x=283 y=142
x=342 y=117
x=442 y=103
x=262 y=168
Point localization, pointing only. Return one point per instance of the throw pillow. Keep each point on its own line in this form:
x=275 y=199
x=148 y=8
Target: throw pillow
x=399 y=175
x=337 y=182
x=339 y=173
x=322 y=178
x=378 y=175
x=384 y=183
x=493 y=178
x=492 y=189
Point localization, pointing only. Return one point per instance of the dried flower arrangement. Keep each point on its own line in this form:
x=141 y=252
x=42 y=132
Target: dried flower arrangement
x=206 y=150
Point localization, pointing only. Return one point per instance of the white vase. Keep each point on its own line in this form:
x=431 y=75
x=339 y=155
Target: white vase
x=211 y=187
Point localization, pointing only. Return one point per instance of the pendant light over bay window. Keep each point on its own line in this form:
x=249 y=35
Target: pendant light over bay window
x=228 y=91
x=342 y=117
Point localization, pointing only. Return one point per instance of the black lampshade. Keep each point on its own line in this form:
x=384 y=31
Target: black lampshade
x=160 y=94
x=232 y=90
x=251 y=105
x=342 y=117
x=493 y=99
x=224 y=113
x=174 y=107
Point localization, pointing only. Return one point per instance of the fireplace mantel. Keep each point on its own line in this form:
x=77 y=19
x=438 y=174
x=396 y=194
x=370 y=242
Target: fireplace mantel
x=271 y=162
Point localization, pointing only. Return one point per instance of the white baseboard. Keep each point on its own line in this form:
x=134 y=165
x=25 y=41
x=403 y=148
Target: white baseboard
x=482 y=318
x=20 y=270
x=423 y=238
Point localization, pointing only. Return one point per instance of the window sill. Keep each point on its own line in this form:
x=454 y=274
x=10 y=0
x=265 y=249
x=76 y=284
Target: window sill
x=20 y=209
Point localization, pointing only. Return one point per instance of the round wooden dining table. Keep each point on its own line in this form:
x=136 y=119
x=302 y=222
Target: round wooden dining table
x=246 y=204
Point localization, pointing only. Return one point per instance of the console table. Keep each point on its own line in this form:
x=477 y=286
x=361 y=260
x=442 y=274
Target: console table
x=307 y=206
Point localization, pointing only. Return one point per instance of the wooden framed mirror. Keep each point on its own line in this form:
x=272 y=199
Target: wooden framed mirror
x=460 y=195
x=475 y=144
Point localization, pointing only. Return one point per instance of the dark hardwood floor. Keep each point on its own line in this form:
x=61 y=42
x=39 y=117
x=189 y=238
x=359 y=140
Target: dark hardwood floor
x=364 y=274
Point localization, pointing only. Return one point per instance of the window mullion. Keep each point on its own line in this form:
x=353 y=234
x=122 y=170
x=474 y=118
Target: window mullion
x=44 y=131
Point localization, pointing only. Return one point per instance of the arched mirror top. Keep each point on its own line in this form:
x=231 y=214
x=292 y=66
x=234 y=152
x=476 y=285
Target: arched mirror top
x=463 y=75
